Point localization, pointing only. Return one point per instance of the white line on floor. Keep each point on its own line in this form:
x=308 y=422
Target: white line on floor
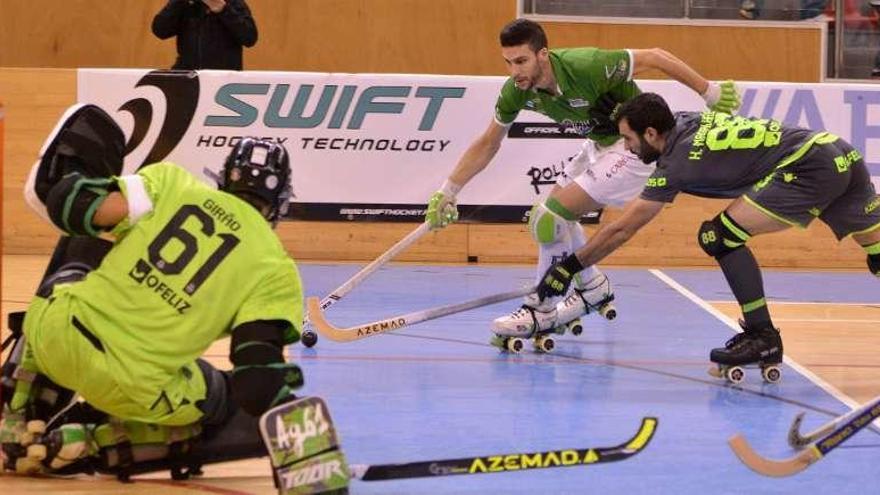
x=831 y=389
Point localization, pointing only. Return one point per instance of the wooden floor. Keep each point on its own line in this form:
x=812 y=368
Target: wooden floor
x=836 y=342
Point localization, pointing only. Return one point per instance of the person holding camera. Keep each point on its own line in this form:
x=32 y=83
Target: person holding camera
x=210 y=33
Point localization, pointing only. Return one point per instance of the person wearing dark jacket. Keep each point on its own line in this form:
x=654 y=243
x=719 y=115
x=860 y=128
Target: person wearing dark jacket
x=210 y=33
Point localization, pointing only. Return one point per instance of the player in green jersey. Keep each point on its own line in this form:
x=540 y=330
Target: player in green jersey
x=780 y=177
x=577 y=87
x=123 y=325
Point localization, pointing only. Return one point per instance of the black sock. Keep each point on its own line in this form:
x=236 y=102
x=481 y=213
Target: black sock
x=744 y=277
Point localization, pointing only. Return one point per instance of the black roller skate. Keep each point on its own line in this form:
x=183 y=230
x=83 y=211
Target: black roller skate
x=752 y=348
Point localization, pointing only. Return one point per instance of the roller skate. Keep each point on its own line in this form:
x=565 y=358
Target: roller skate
x=595 y=295
x=533 y=320
x=39 y=451
x=751 y=349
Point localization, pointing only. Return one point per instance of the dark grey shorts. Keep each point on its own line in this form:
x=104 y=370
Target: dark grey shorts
x=831 y=182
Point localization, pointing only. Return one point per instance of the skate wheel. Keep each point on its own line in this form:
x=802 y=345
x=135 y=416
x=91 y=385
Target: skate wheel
x=36 y=452
x=309 y=339
x=36 y=426
x=734 y=374
x=545 y=344
x=608 y=311
x=498 y=341
x=26 y=438
x=576 y=327
x=26 y=465
x=771 y=374
x=716 y=372
x=515 y=345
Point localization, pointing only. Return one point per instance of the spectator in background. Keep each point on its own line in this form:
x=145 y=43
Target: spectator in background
x=875 y=72
x=210 y=33
x=751 y=9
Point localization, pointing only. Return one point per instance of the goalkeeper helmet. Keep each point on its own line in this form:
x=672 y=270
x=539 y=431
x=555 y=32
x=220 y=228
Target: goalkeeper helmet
x=258 y=171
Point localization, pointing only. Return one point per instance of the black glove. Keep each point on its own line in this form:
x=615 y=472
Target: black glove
x=557 y=278
x=602 y=115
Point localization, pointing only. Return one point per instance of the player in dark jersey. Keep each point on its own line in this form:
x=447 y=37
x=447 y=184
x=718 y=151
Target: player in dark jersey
x=781 y=177
x=123 y=325
x=580 y=88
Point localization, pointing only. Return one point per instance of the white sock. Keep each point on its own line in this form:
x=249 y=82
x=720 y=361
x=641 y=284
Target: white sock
x=579 y=239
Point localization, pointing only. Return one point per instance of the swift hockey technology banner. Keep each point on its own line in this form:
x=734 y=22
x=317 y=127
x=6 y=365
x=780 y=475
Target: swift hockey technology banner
x=375 y=146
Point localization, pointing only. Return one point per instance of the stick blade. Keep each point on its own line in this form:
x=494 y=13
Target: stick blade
x=316 y=318
x=795 y=439
x=771 y=467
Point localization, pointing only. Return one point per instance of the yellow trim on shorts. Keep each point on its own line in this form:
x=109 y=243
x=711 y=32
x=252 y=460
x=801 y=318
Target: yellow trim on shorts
x=772 y=215
x=865 y=231
x=820 y=138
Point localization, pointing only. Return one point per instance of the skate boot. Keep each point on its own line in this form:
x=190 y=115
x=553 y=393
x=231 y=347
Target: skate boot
x=42 y=452
x=533 y=320
x=752 y=348
x=595 y=295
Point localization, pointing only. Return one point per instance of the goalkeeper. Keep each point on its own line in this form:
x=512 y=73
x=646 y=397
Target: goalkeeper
x=123 y=325
x=579 y=87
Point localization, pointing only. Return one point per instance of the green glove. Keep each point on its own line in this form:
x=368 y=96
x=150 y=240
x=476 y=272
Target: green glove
x=442 y=209
x=722 y=97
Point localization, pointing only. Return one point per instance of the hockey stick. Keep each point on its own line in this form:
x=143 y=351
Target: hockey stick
x=854 y=421
x=509 y=462
x=397 y=322
x=366 y=271
x=798 y=441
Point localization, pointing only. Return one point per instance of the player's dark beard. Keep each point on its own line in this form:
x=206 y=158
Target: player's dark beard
x=647 y=153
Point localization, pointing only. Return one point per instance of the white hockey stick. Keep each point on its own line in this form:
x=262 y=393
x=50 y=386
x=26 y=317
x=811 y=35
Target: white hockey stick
x=358 y=332
x=846 y=426
x=365 y=272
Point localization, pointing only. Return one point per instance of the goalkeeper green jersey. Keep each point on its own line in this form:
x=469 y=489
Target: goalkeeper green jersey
x=190 y=264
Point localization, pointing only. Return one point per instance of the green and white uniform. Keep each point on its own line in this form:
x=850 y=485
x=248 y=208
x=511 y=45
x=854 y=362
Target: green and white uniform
x=604 y=169
x=791 y=174
x=589 y=84
x=190 y=264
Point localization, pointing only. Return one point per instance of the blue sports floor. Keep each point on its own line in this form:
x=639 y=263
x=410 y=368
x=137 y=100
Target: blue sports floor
x=439 y=390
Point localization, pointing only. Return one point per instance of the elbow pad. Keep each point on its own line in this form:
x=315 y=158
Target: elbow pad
x=72 y=202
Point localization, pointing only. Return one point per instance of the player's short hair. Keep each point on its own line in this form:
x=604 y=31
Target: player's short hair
x=646 y=110
x=521 y=31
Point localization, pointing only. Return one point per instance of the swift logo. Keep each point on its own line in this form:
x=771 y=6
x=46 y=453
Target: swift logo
x=181 y=91
x=328 y=106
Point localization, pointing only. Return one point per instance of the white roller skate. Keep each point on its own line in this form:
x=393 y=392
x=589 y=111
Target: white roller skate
x=533 y=320
x=595 y=295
